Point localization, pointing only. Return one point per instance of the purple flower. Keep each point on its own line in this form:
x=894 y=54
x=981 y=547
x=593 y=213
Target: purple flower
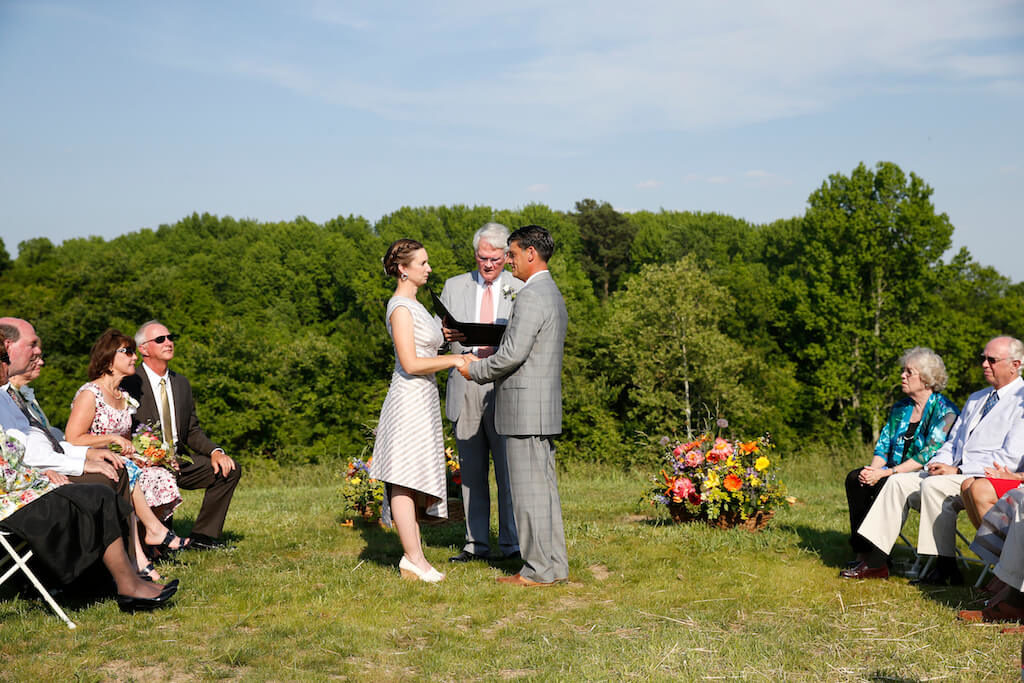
x=722 y=423
x=664 y=441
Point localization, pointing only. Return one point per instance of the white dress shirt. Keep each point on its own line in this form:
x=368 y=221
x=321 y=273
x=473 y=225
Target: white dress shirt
x=39 y=452
x=975 y=443
x=154 y=383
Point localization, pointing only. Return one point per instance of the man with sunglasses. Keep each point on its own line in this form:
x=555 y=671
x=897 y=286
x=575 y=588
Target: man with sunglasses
x=989 y=432
x=165 y=400
x=481 y=296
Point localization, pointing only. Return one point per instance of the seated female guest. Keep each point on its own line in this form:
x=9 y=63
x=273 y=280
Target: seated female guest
x=101 y=416
x=916 y=428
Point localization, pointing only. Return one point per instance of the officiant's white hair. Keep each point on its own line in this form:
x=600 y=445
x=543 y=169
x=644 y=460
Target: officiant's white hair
x=495 y=234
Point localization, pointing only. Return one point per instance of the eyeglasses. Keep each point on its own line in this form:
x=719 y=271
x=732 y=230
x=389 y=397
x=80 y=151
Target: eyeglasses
x=126 y=351
x=160 y=339
x=492 y=261
x=990 y=359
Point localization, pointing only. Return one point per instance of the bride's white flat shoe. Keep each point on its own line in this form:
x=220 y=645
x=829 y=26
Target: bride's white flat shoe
x=414 y=573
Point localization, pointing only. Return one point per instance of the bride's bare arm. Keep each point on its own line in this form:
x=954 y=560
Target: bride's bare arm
x=405 y=347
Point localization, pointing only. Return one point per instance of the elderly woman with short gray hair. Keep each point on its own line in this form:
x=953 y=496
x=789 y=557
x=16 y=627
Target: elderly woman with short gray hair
x=916 y=428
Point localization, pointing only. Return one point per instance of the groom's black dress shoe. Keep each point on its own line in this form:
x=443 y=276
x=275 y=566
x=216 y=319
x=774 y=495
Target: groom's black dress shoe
x=466 y=556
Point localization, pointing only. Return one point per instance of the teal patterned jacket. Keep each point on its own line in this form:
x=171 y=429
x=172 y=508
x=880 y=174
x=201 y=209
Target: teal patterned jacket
x=930 y=436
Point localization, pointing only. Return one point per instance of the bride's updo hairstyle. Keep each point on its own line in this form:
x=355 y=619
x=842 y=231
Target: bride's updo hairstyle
x=400 y=254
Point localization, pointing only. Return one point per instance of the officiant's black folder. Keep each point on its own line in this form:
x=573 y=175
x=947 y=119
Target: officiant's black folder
x=477 y=334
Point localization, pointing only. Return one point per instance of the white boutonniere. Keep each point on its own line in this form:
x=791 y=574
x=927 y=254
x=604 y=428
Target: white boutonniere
x=508 y=292
x=130 y=403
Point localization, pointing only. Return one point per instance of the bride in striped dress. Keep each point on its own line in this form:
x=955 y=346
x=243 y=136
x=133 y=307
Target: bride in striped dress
x=408 y=454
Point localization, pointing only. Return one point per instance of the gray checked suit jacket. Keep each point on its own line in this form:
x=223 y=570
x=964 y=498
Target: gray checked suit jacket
x=459 y=297
x=527 y=367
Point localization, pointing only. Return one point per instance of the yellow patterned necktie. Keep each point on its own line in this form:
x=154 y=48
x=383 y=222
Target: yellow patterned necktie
x=165 y=411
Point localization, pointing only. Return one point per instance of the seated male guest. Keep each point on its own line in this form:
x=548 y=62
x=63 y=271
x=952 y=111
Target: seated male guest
x=165 y=399
x=20 y=383
x=81 y=465
x=989 y=432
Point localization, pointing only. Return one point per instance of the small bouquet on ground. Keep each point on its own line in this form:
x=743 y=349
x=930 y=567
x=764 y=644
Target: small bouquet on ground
x=721 y=482
x=454 y=472
x=363 y=495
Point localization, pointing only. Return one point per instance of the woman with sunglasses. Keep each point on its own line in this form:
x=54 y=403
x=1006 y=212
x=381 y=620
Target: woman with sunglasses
x=101 y=416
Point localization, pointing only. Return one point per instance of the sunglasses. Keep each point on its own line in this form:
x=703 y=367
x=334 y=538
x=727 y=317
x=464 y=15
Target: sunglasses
x=126 y=351
x=160 y=339
x=990 y=359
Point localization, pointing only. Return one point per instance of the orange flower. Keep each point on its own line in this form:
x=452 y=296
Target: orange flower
x=748 y=447
x=732 y=483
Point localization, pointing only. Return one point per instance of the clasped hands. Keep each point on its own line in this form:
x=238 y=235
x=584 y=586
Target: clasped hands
x=464 y=367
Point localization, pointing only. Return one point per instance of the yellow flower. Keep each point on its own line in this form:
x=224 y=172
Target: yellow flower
x=712 y=479
x=356 y=480
x=762 y=464
x=754 y=481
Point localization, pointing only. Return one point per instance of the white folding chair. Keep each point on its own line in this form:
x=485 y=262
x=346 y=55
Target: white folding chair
x=21 y=562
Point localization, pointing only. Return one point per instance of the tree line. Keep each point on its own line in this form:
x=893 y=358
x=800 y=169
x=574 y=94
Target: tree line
x=676 y=318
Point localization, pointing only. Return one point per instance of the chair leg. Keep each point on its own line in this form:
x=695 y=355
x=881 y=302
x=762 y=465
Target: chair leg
x=20 y=563
x=981 y=577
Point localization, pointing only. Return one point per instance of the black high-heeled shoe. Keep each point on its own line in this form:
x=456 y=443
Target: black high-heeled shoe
x=129 y=603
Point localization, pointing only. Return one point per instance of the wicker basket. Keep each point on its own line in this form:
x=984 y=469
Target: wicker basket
x=728 y=520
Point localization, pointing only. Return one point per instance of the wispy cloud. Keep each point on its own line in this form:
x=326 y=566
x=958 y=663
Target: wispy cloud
x=538 y=188
x=719 y=179
x=649 y=185
x=687 y=66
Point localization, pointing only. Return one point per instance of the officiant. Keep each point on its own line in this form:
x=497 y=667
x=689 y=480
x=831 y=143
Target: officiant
x=484 y=295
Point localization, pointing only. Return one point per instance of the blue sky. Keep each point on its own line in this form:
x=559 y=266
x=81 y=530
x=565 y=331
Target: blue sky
x=123 y=115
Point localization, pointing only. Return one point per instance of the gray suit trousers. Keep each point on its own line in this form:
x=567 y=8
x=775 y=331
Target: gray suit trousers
x=475 y=465
x=537 y=507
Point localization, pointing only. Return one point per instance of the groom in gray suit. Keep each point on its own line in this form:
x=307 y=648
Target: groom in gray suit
x=482 y=296
x=527 y=372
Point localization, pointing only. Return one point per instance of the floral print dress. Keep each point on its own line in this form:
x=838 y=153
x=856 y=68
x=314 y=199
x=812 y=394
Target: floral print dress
x=159 y=485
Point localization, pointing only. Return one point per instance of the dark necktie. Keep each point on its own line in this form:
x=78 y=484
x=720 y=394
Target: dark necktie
x=32 y=420
x=990 y=402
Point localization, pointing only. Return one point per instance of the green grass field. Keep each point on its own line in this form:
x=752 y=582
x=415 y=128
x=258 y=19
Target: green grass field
x=303 y=597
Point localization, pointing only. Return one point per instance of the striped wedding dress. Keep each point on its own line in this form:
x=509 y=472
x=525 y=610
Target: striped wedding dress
x=409 y=448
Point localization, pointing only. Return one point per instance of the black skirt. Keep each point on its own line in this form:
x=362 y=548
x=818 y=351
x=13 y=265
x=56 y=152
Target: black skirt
x=70 y=527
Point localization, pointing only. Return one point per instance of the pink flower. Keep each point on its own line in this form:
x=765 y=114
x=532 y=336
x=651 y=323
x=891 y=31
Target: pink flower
x=682 y=488
x=694 y=458
x=677 y=451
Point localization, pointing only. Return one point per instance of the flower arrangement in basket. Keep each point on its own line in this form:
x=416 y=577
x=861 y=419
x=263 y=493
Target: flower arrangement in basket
x=363 y=495
x=723 y=483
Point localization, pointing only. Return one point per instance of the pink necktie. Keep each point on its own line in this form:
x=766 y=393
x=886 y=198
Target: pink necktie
x=486 y=317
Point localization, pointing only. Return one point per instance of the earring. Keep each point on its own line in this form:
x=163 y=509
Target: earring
x=405 y=276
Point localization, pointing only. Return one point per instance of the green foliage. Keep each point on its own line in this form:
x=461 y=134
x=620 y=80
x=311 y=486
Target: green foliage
x=677 y=367
x=792 y=327
x=861 y=288
x=606 y=236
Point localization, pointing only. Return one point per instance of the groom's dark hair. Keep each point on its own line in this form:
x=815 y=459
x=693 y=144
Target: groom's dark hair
x=536 y=237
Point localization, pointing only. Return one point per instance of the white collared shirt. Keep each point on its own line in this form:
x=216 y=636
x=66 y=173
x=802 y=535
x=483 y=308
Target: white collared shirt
x=39 y=451
x=154 y=383
x=480 y=289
